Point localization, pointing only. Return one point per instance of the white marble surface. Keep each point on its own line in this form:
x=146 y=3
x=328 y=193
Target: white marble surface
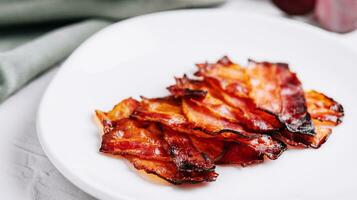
x=25 y=172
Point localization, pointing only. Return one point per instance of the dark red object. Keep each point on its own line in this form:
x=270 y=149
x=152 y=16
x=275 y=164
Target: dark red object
x=337 y=15
x=296 y=7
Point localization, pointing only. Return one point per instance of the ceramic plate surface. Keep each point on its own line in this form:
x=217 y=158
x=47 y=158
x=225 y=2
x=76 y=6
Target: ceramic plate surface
x=140 y=56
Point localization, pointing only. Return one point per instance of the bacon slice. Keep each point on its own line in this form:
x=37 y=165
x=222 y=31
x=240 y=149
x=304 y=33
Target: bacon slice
x=125 y=136
x=236 y=153
x=226 y=75
x=144 y=148
x=203 y=94
x=168 y=112
x=233 y=83
x=120 y=111
x=326 y=114
x=147 y=147
x=322 y=132
x=129 y=137
x=170 y=172
x=324 y=108
x=276 y=89
x=210 y=121
x=184 y=152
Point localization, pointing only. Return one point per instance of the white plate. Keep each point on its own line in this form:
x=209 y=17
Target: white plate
x=140 y=56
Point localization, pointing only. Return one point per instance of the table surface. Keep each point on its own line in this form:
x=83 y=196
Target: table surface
x=25 y=171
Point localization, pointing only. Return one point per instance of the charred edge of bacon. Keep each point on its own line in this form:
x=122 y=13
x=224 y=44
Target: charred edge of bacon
x=186 y=165
x=265 y=63
x=179 y=177
x=301 y=123
x=225 y=61
x=184 y=153
x=185 y=92
x=301 y=126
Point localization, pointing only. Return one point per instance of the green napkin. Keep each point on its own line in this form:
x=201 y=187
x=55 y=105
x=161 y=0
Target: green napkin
x=37 y=34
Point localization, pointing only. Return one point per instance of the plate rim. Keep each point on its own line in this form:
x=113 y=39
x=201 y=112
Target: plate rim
x=89 y=188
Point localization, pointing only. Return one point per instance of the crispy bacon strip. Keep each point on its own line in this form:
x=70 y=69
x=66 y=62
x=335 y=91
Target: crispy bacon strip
x=233 y=84
x=278 y=90
x=168 y=112
x=211 y=122
x=322 y=133
x=326 y=114
x=324 y=108
x=219 y=76
x=125 y=136
x=143 y=144
x=120 y=111
x=184 y=153
x=226 y=75
x=170 y=172
x=129 y=137
x=203 y=94
x=236 y=153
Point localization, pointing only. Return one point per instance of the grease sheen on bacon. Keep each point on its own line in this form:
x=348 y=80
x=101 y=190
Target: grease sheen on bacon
x=169 y=171
x=130 y=137
x=184 y=153
x=232 y=81
x=149 y=147
x=278 y=90
x=169 y=111
x=125 y=136
x=248 y=118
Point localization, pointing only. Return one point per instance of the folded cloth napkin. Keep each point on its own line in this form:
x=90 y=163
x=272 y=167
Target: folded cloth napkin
x=26 y=52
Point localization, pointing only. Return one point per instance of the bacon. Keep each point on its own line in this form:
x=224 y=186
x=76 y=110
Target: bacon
x=230 y=77
x=164 y=152
x=233 y=115
x=170 y=172
x=211 y=122
x=184 y=152
x=322 y=133
x=276 y=89
x=253 y=120
x=266 y=145
x=127 y=136
x=130 y=137
x=168 y=112
x=120 y=111
x=236 y=153
x=326 y=114
x=233 y=83
x=228 y=152
x=324 y=108
x=211 y=147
